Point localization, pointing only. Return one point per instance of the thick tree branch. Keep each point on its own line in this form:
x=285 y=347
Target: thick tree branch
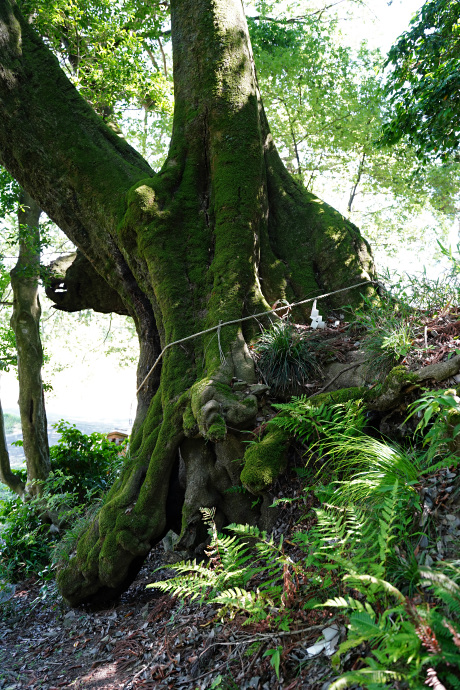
x=75 y=285
x=76 y=168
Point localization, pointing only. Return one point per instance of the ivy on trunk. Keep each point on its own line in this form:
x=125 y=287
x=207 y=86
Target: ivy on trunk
x=219 y=233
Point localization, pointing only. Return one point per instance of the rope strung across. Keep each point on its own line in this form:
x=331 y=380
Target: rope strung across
x=247 y=318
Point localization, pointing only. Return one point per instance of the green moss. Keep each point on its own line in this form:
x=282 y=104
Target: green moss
x=218 y=430
x=340 y=396
x=200 y=393
x=190 y=425
x=264 y=461
x=397 y=378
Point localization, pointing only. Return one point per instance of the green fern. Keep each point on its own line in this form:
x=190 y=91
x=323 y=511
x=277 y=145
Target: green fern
x=403 y=637
x=367 y=677
x=309 y=422
x=223 y=580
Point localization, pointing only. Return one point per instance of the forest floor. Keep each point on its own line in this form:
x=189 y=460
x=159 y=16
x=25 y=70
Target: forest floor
x=149 y=640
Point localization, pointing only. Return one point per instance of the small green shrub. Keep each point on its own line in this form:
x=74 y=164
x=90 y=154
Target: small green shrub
x=287 y=359
x=25 y=541
x=83 y=468
x=90 y=461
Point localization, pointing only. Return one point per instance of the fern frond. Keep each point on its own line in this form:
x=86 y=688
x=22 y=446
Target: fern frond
x=440 y=580
x=247 y=531
x=344 y=603
x=350 y=643
x=363 y=624
x=238 y=598
x=381 y=584
x=366 y=677
x=453 y=681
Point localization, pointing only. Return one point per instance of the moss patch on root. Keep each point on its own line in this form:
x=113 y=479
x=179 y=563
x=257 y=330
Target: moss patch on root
x=339 y=396
x=218 y=429
x=264 y=461
x=385 y=397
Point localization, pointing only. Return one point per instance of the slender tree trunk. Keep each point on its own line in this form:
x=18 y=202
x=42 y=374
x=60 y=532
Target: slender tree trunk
x=356 y=184
x=25 y=322
x=7 y=477
x=219 y=234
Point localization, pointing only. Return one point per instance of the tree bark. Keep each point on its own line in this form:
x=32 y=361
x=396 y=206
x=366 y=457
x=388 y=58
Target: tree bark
x=221 y=232
x=25 y=322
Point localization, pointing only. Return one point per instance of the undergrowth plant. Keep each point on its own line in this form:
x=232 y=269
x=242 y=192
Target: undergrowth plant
x=414 y=644
x=248 y=554
x=313 y=424
x=387 y=328
x=83 y=467
x=357 y=557
x=90 y=460
x=439 y=414
x=287 y=358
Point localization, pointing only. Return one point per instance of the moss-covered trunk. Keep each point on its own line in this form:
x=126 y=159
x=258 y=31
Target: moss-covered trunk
x=219 y=233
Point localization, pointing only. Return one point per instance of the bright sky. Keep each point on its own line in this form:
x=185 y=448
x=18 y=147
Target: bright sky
x=380 y=22
x=96 y=389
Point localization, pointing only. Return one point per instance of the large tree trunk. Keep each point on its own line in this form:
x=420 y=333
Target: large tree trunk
x=25 y=322
x=218 y=234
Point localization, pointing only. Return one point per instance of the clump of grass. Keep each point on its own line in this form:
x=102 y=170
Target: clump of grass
x=287 y=359
x=387 y=327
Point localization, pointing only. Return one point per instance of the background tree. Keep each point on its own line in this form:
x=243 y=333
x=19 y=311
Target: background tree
x=424 y=81
x=25 y=322
x=326 y=105
x=21 y=344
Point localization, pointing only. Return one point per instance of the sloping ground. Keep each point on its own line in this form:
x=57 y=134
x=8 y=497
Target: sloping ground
x=149 y=640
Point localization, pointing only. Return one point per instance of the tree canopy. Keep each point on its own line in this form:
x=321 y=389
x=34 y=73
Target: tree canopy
x=424 y=82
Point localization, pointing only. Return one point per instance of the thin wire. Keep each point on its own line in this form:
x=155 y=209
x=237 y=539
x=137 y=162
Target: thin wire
x=246 y=318
x=221 y=354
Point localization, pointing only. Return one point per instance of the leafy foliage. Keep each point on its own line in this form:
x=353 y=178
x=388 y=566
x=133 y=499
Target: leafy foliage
x=103 y=50
x=439 y=413
x=83 y=467
x=404 y=638
x=424 y=81
x=9 y=192
x=90 y=461
x=388 y=331
x=24 y=540
x=311 y=423
x=326 y=105
x=233 y=562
